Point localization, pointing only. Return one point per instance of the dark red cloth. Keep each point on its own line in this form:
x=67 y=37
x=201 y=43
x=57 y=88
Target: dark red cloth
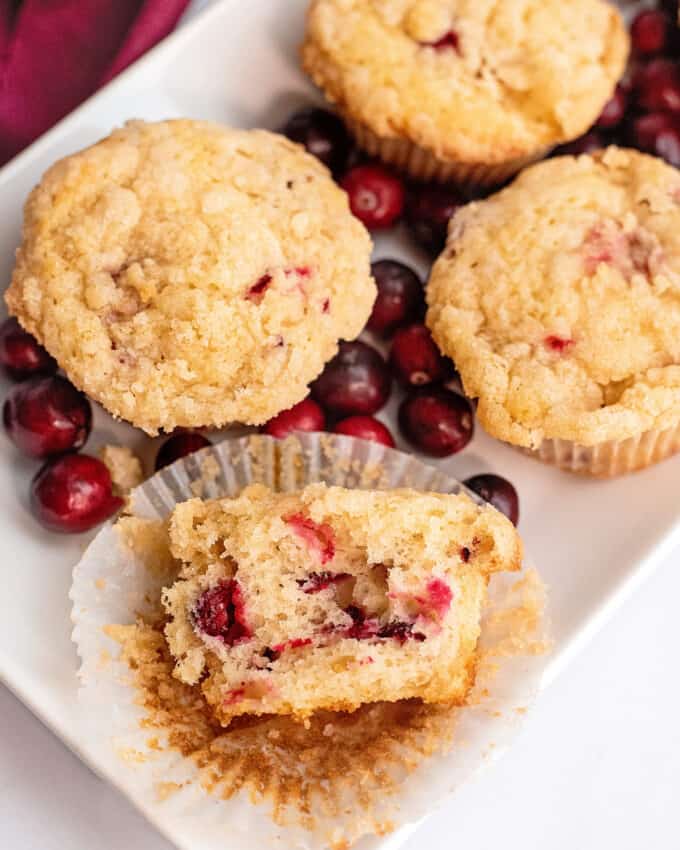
x=55 y=53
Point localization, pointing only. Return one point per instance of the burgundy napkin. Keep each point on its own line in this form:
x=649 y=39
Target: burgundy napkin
x=55 y=53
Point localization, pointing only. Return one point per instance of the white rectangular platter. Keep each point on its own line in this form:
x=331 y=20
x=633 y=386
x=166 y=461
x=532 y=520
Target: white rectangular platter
x=593 y=542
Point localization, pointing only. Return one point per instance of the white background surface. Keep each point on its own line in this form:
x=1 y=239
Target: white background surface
x=597 y=766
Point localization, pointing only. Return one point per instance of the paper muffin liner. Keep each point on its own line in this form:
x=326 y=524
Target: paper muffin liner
x=275 y=782
x=611 y=458
x=422 y=164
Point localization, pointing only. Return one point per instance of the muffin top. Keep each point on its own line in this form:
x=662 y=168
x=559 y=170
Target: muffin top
x=471 y=80
x=187 y=274
x=559 y=300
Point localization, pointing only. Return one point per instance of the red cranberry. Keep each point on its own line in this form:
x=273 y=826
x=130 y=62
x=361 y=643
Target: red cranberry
x=614 y=110
x=180 y=445
x=415 y=358
x=365 y=428
x=21 y=355
x=429 y=207
x=437 y=421
x=498 y=492
x=355 y=381
x=450 y=40
x=650 y=32
x=376 y=196
x=658 y=86
x=220 y=613
x=400 y=296
x=47 y=416
x=584 y=144
x=323 y=134
x=659 y=133
x=306 y=415
x=73 y=493
x=400 y=631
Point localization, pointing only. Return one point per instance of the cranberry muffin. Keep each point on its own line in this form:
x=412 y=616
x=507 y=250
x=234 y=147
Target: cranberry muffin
x=328 y=598
x=558 y=300
x=187 y=274
x=465 y=90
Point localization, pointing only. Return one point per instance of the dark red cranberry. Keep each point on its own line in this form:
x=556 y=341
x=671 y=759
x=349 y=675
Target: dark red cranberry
x=47 y=416
x=400 y=296
x=356 y=381
x=362 y=627
x=588 y=143
x=658 y=133
x=449 y=41
x=21 y=355
x=415 y=358
x=429 y=207
x=437 y=421
x=315 y=582
x=376 y=195
x=73 y=493
x=365 y=428
x=400 y=631
x=650 y=32
x=614 y=110
x=498 y=492
x=657 y=86
x=220 y=613
x=180 y=445
x=323 y=134
x=306 y=415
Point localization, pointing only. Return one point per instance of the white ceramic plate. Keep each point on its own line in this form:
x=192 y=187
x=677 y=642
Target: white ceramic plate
x=594 y=542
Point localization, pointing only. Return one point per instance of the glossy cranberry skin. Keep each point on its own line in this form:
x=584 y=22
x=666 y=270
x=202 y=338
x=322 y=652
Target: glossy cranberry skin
x=306 y=415
x=400 y=296
x=365 y=428
x=429 y=207
x=355 y=382
x=650 y=32
x=498 y=491
x=437 y=421
x=657 y=86
x=658 y=133
x=614 y=110
x=415 y=359
x=323 y=135
x=21 y=355
x=73 y=493
x=376 y=195
x=587 y=143
x=179 y=445
x=47 y=416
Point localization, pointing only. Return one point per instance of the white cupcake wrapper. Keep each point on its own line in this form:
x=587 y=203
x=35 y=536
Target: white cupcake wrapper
x=111 y=587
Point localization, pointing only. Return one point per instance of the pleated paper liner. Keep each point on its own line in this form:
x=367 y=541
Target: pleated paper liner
x=275 y=782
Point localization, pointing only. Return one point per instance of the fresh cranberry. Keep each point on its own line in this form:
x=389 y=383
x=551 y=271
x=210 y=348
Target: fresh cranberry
x=415 y=358
x=220 y=613
x=73 y=493
x=400 y=296
x=588 y=143
x=21 y=356
x=429 y=207
x=558 y=344
x=180 y=445
x=658 y=86
x=498 y=492
x=437 y=421
x=650 y=32
x=323 y=134
x=356 y=381
x=376 y=196
x=365 y=428
x=659 y=133
x=614 y=110
x=306 y=415
x=449 y=41
x=362 y=627
x=47 y=416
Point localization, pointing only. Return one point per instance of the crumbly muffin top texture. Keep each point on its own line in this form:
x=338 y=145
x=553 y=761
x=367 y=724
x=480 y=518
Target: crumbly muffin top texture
x=187 y=274
x=559 y=300
x=472 y=80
